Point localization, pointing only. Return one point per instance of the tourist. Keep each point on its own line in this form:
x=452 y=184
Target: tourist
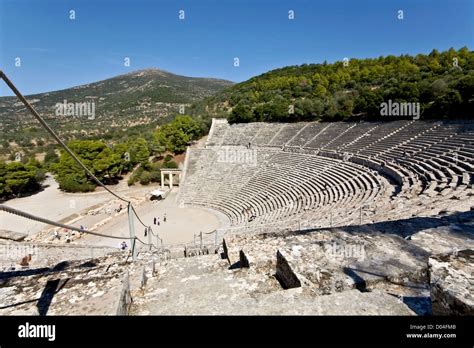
x=154 y=221
x=56 y=235
x=164 y=217
x=146 y=229
x=25 y=261
x=123 y=246
x=158 y=221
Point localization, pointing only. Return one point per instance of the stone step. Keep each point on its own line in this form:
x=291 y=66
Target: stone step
x=451 y=278
x=205 y=286
x=86 y=287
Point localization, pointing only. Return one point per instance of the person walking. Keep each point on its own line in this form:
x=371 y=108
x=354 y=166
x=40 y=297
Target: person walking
x=164 y=218
x=154 y=221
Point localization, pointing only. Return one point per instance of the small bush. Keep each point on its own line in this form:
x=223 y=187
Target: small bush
x=155 y=176
x=40 y=175
x=70 y=183
x=131 y=180
x=145 y=178
x=171 y=164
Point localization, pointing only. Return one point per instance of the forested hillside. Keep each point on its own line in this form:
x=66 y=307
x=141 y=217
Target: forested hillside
x=126 y=104
x=442 y=82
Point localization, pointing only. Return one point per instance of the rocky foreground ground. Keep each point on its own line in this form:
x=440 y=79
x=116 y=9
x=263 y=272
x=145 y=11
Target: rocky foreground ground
x=412 y=269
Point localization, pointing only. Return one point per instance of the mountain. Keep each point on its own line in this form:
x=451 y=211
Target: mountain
x=442 y=82
x=137 y=98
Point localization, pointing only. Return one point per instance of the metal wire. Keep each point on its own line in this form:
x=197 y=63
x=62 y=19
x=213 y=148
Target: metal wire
x=75 y=158
x=29 y=216
x=53 y=134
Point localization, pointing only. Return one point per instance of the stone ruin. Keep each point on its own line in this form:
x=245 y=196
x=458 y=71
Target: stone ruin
x=364 y=218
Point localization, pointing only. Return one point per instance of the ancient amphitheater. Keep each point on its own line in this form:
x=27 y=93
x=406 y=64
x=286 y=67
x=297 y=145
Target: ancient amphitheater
x=348 y=218
x=309 y=172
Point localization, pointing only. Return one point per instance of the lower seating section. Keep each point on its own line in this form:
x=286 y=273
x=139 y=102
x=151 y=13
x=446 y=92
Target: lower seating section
x=323 y=174
x=276 y=186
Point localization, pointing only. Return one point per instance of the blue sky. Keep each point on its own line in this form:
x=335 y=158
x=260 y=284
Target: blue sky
x=58 y=53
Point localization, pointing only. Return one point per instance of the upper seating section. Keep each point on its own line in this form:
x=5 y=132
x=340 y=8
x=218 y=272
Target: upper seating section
x=390 y=141
x=286 y=133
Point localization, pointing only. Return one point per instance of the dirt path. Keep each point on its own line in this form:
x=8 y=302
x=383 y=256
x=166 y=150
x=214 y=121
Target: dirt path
x=53 y=204
x=180 y=227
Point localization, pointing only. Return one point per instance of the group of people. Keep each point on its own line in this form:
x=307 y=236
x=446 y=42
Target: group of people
x=156 y=220
x=57 y=236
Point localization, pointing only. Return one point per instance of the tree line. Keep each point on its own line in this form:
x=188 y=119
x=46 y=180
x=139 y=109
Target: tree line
x=108 y=161
x=442 y=82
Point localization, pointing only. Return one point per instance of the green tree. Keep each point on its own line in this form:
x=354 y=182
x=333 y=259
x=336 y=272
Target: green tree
x=176 y=135
x=51 y=157
x=356 y=89
x=18 y=178
x=105 y=163
x=241 y=113
x=139 y=152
